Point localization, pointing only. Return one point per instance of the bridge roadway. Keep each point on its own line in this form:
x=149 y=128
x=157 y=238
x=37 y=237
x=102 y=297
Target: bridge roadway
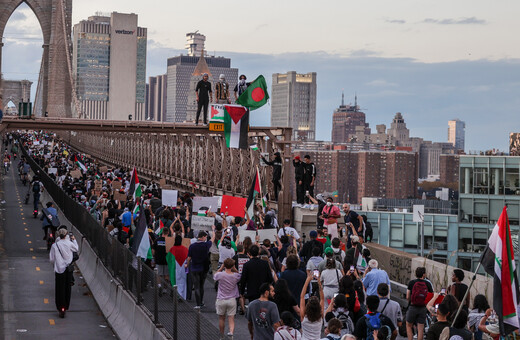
x=27 y=279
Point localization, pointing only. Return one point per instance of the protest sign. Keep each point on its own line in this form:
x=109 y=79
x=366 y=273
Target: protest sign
x=202 y=222
x=247 y=233
x=52 y=171
x=267 y=234
x=75 y=174
x=169 y=197
x=199 y=202
x=234 y=206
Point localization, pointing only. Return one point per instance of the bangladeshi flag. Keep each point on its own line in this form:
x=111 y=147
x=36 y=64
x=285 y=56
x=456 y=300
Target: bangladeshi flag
x=256 y=94
x=236 y=126
x=498 y=261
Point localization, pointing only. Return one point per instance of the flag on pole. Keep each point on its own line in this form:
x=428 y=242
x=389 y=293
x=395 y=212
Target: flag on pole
x=79 y=164
x=176 y=258
x=255 y=190
x=498 y=261
x=361 y=263
x=256 y=94
x=141 y=242
x=254 y=147
x=159 y=230
x=236 y=126
x=135 y=187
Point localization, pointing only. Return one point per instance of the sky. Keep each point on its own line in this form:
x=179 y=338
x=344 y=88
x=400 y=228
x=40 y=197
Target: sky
x=431 y=60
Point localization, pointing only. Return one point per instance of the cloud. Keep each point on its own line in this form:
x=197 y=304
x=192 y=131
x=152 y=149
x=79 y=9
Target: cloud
x=395 y=21
x=17 y=16
x=381 y=83
x=461 y=21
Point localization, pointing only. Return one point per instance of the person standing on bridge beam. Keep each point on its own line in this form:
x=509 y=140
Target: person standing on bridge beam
x=204 y=94
x=276 y=163
x=298 y=176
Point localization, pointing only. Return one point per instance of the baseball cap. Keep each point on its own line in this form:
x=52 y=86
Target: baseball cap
x=354 y=239
x=313 y=233
x=328 y=251
x=297 y=157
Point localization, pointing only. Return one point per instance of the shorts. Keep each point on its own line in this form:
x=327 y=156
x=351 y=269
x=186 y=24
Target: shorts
x=227 y=307
x=416 y=315
x=162 y=270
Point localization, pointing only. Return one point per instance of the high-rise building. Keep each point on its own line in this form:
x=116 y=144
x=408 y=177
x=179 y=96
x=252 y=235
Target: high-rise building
x=156 y=98
x=180 y=73
x=449 y=168
x=346 y=121
x=456 y=133
x=293 y=103
x=109 y=67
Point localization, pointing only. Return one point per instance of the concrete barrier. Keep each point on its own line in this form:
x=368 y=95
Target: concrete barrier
x=128 y=321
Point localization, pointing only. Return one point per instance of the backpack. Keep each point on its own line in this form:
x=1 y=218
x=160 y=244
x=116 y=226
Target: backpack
x=419 y=293
x=337 y=256
x=36 y=187
x=373 y=322
x=346 y=321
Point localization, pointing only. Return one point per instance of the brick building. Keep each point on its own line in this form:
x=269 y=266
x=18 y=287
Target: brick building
x=449 y=168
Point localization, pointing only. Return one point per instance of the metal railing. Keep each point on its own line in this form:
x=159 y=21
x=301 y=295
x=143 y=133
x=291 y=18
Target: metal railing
x=141 y=281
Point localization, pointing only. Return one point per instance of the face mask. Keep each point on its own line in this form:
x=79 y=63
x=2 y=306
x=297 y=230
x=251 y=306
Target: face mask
x=329 y=204
x=242 y=81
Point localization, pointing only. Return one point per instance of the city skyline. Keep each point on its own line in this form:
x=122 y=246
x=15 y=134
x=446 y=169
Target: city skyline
x=428 y=93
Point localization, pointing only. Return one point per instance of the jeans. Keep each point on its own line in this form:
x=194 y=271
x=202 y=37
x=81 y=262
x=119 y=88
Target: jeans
x=198 y=282
x=36 y=200
x=200 y=104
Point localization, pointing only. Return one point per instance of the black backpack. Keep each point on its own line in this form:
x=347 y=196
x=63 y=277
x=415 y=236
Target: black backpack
x=36 y=187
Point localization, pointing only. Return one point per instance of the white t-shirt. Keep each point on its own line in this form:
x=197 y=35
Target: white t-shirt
x=289 y=231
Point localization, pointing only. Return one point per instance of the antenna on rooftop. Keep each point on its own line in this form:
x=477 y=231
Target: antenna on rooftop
x=342 y=97
x=355 y=100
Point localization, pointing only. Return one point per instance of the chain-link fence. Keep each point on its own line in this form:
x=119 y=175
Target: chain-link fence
x=165 y=308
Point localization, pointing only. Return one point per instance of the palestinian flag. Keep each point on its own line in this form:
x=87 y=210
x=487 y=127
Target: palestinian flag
x=255 y=190
x=141 y=242
x=203 y=211
x=79 y=164
x=159 y=230
x=236 y=126
x=498 y=261
x=135 y=187
x=254 y=147
x=361 y=263
x=256 y=94
x=176 y=259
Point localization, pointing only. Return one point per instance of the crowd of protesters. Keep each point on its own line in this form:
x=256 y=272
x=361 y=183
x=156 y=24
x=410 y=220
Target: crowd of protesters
x=325 y=287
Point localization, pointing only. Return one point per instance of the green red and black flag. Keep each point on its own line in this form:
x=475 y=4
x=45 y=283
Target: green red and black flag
x=236 y=126
x=256 y=189
x=135 y=187
x=498 y=261
x=255 y=96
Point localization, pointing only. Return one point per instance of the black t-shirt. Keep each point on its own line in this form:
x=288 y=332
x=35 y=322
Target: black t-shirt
x=460 y=290
x=352 y=217
x=160 y=251
x=435 y=330
x=204 y=89
x=360 y=331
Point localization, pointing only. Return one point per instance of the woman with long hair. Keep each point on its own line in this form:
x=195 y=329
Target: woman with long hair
x=311 y=313
x=330 y=278
x=480 y=305
x=285 y=301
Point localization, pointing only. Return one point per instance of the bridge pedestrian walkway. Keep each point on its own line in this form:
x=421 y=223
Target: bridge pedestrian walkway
x=27 y=278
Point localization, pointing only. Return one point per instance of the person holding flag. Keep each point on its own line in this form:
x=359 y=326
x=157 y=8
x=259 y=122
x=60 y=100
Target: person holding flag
x=498 y=261
x=176 y=258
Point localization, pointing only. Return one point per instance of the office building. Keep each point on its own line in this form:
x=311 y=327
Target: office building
x=109 y=67
x=346 y=121
x=156 y=98
x=487 y=184
x=180 y=102
x=293 y=103
x=364 y=173
x=456 y=134
x=449 y=168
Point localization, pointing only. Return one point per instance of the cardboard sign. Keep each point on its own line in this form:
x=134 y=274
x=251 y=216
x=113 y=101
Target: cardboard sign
x=247 y=233
x=234 y=206
x=98 y=184
x=267 y=234
x=186 y=242
x=116 y=185
x=199 y=202
x=202 y=223
x=162 y=182
x=52 y=171
x=75 y=174
x=103 y=169
x=170 y=241
x=119 y=196
x=169 y=197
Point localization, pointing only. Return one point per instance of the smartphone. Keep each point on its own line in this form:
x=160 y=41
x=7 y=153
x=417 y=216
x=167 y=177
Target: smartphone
x=316 y=274
x=436 y=308
x=352 y=268
x=443 y=291
x=336 y=294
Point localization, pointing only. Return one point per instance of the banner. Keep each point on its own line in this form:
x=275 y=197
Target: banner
x=169 y=197
x=269 y=234
x=234 y=206
x=202 y=223
x=199 y=202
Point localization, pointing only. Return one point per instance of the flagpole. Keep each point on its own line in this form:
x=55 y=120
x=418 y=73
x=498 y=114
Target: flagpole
x=467 y=291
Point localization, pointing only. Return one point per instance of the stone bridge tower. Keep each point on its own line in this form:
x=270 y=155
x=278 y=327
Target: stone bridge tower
x=55 y=80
